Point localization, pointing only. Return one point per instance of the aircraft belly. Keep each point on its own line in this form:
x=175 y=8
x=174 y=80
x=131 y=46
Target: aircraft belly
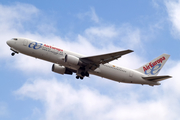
x=119 y=75
x=112 y=74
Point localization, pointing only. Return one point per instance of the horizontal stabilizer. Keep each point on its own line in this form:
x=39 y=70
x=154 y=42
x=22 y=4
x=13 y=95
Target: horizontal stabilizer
x=157 y=78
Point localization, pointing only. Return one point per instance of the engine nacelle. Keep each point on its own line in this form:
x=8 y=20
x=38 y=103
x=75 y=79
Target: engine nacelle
x=61 y=69
x=73 y=60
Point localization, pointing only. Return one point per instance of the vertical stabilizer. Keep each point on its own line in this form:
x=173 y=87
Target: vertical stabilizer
x=152 y=68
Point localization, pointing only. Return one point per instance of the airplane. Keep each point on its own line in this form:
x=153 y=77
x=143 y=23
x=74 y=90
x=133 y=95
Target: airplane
x=66 y=62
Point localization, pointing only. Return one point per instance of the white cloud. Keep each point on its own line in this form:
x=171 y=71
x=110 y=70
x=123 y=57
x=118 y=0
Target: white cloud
x=31 y=65
x=94 y=16
x=155 y=4
x=14 y=15
x=173 y=9
x=102 y=32
x=11 y=21
x=173 y=84
x=62 y=101
x=90 y=14
x=3 y=109
x=125 y=36
x=131 y=36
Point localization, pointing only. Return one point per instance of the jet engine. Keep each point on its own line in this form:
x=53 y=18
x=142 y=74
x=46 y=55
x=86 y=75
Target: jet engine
x=61 y=69
x=73 y=60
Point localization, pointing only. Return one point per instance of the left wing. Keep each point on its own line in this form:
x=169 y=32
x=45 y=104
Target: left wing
x=104 y=58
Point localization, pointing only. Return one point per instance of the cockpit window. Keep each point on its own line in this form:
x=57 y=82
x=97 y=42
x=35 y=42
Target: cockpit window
x=15 y=39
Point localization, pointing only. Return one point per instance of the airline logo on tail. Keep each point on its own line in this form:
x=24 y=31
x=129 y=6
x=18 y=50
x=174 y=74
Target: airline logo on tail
x=154 y=67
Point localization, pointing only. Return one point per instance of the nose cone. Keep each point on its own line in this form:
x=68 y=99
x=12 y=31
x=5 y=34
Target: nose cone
x=9 y=42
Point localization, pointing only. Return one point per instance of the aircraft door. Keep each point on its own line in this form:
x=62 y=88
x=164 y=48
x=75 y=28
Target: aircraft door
x=131 y=74
x=25 y=42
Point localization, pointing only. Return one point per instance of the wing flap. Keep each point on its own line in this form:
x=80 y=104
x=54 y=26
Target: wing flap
x=157 y=78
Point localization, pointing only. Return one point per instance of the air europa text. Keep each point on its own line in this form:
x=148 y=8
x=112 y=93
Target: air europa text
x=53 y=47
x=150 y=65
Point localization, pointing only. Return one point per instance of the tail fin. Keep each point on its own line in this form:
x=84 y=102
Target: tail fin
x=152 y=68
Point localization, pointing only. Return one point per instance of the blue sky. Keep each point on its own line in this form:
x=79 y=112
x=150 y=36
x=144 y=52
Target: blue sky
x=30 y=90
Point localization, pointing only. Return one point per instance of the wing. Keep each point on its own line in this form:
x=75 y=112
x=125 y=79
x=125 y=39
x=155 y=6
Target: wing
x=94 y=61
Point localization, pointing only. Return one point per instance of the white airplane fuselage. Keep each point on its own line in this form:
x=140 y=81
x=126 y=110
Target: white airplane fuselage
x=57 y=56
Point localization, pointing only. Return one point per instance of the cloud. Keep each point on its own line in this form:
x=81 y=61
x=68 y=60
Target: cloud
x=12 y=22
x=131 y=37
x=173 y=9
x=14 y=15
x=102 y=32
x=94 y=17
x=3 y=109
x=91 y=14
x=124 y=36
x=63 y=101
x=173 y=84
